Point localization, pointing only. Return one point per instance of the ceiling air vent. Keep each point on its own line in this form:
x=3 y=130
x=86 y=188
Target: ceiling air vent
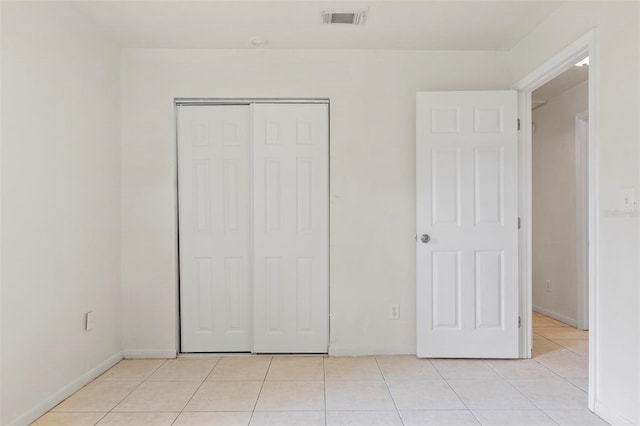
x=353 y=17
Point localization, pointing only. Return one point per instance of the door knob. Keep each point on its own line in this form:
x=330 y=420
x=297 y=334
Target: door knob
x=425 y=238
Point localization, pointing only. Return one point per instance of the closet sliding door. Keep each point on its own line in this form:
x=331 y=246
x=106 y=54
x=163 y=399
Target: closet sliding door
x=253 y=227
x=214 y=198
x=291 y=227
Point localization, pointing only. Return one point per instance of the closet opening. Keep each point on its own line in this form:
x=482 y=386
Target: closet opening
x=253 y=221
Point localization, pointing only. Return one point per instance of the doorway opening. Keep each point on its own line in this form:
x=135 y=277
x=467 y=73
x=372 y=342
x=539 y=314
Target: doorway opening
x=560 y=223
x=559 y=198
x=582 y=181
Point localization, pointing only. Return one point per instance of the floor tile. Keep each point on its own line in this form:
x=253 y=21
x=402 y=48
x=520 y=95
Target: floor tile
x=513 y=418
x=575 y=417
x=552 y=333
x=579 y=347
x=97 y=396
x=542 y=346
x=490 y=394
x=184 y=369
x=159 y=396
x=288 y=418
x=68 y=419
x=213 y=419
x=582 y=384
x=424 y=395
x=225 y=396
x=296 y=390
x=438 y=418
x=363 y=418
x=550 y=349
x=351 y=368
x=249 y=368
x=520 y=369
x=138 y=419
x=296 y=368
x=358 y=395
x=135 y=370
x=568 y=366
x=544 y=321
x=464 y=369
x=407 y=368
x=552 y=393
x=291 y=396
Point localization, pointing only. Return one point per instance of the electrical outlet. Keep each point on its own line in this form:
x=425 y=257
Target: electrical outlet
x=547 y=285
x=394 y=311
x=88 y=321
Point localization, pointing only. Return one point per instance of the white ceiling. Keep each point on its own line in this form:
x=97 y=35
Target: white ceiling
x=420 y=25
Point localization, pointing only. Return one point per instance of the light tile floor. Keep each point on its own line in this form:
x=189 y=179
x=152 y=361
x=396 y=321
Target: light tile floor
x=549 y=389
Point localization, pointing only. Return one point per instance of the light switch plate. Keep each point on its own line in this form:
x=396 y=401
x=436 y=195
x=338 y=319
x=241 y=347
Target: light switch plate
x=628 y=199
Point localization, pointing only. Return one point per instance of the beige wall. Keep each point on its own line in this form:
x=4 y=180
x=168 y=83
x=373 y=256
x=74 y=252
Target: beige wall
x=372 y=200
x=554 y=204
x=617 y=244
x=60 y=205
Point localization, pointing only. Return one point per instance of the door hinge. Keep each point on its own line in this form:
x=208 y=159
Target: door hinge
x=519 y=322
x=518 y=124
x=518 y=223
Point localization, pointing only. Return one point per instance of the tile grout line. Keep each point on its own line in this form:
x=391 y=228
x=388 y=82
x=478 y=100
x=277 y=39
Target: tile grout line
x=324 y=389
x=384 y=378
x=135 y=388
x=264 y=379
x=100 y=419
x=95 y=380
x=196 y=391
x=457 y=395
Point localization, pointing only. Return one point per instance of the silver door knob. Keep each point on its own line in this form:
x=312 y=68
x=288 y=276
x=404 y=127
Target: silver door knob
x=425 y=238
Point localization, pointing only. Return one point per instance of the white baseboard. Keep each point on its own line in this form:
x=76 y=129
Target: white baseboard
x=556 y=316
x=66 y=391
x=149 y=353
x=609 y=416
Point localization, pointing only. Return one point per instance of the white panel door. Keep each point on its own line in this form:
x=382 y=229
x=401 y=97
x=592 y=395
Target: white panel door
x=467 y=224
x=291 y=190
x=215 y=227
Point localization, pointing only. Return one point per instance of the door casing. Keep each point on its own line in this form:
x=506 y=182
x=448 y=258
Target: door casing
x=582 y=218
x=556 y=65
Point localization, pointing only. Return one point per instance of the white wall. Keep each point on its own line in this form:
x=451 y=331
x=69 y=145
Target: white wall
x=372 y=200
x=60 y=205
x=554 y=204
x=617 y=379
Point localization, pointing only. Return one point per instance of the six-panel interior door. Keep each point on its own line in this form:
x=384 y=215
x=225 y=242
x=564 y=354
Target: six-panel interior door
x=291 y=228
x=467 y=225
x=254 y=227
x=214 y=198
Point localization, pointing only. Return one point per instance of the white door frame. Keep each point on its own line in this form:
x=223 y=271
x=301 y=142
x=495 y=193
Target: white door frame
x=579 y=49
x=582 y=218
